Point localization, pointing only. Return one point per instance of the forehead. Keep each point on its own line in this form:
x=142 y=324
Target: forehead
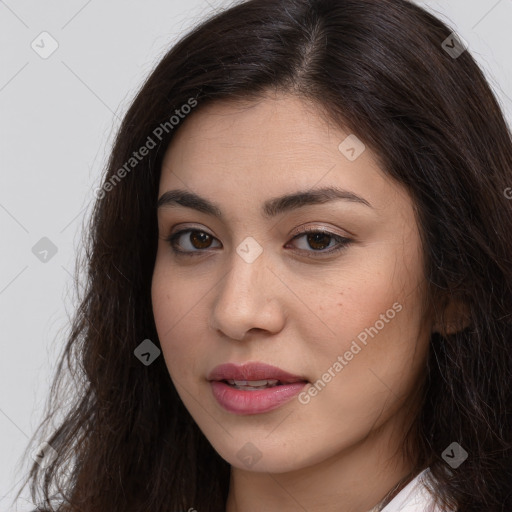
x=278 y=143
x=277 y=125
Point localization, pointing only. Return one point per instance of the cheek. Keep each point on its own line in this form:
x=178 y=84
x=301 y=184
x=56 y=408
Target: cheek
x=163 y=302
x=176 y=308
x=354 y=305
x=374 y=318
x=372 y=362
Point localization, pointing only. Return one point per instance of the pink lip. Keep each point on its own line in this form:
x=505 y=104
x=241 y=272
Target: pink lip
x=251 y=371
x=239 y=401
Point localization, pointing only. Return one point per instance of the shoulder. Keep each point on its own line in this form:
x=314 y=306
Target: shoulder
x=415 y=497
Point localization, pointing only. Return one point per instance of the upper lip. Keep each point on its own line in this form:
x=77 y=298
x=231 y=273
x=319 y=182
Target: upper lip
x=252 y=371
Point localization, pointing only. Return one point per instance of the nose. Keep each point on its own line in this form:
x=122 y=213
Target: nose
x=247 y=300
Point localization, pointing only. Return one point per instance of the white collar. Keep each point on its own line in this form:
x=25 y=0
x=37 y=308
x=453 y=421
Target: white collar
x=414 y=497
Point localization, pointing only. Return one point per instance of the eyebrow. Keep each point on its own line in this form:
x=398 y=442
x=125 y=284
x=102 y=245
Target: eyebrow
x=270 y=208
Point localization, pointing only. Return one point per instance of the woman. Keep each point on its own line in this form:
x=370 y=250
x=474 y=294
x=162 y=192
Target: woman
x=299 y=277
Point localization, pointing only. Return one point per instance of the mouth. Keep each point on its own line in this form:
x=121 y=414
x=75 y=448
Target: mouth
x=253 y=388
x=255 y=385
x=253 y=375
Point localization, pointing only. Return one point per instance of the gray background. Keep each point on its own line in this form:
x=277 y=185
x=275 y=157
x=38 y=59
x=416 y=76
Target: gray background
x=58 y=118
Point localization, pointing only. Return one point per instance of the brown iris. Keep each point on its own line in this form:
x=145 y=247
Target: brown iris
x=318 y=238
x=202 y=239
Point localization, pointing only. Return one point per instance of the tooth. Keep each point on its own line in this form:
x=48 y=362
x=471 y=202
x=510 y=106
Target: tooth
x=254 y=383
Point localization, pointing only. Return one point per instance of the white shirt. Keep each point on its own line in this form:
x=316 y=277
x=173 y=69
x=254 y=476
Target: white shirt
x=414 y=497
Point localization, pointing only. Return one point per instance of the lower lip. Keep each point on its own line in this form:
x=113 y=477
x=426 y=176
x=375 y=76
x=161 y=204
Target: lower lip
x=239 y=401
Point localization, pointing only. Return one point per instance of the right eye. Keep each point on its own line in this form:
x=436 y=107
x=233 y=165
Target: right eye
x=195 y=242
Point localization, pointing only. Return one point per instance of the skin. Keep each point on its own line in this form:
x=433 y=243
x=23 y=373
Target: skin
x=343 y=449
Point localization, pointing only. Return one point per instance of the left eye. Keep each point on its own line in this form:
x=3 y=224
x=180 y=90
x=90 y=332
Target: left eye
x=198 y=241
x=321 y=240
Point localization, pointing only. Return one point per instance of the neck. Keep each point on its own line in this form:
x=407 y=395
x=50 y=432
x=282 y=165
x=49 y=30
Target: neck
x=356 y=479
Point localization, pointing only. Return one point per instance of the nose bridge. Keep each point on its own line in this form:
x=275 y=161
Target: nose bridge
x=245 y=298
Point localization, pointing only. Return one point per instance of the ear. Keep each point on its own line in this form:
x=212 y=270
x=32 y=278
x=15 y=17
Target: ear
x=454 y=317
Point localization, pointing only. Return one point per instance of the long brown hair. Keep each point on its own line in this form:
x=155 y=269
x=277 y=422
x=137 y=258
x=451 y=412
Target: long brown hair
x=126 y=442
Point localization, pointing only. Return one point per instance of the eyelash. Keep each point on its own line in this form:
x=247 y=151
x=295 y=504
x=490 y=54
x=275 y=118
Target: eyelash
x=343 y=242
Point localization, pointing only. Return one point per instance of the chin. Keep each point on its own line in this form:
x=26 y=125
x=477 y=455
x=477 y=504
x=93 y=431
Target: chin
x=261 y=455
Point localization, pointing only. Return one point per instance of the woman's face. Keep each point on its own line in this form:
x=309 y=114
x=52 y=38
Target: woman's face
x=343 y=311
